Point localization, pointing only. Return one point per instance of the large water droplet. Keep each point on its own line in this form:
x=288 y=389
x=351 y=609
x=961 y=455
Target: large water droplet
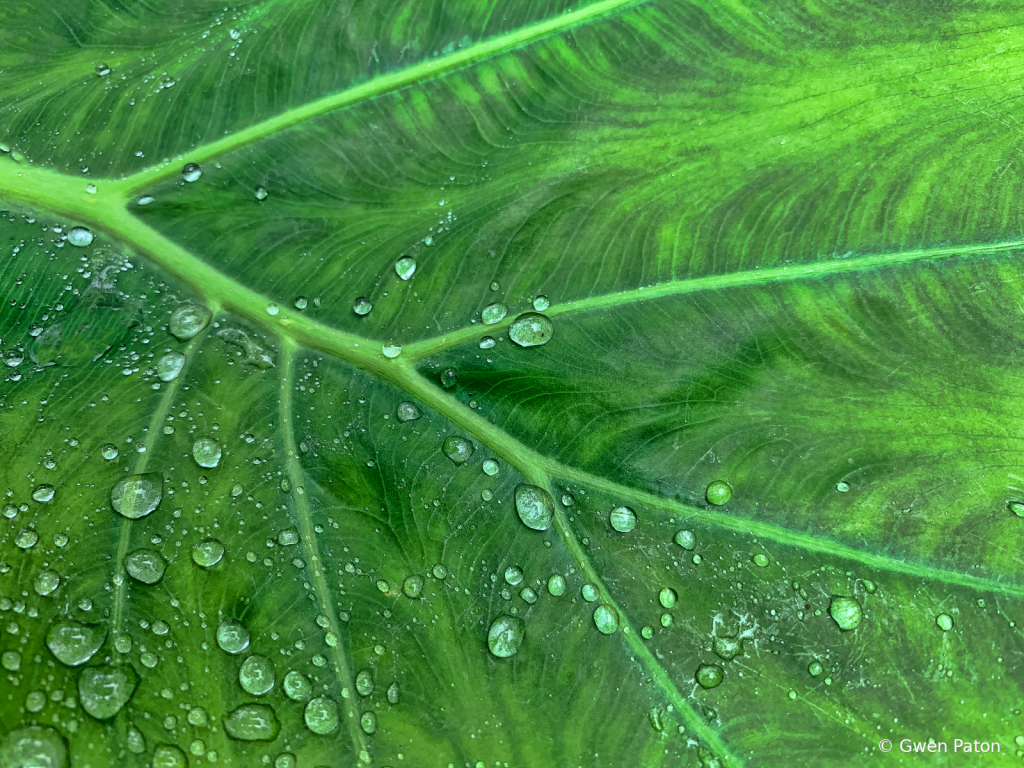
x=513 y=575
x=667 y=597
x=207 y=452
x=252 y=722
x=109 y=451
x=494 y=313
x=79 y=236
x=207 y=553
x=405 y=267
x=685 y=539
x=846 y=612
x=709 y=675
x=458 y=449
x=296 y=686
x=136 y=496
x=191 y=172
x=590 y=593
x=43 y=493
x=321 y=715
x=606 y=619
x=556 y=585
x=187 y=320
x=505 y=636
x=944 y=622
x=232 y=636
x=145 y=565
x=535 y=506
x=541 y=303
x=362 y=306
x=491 y=467
x=103 y=691
x=391 y=350
x=413 y=586
x=718 y=492
x=531 y=329
x=169 y=366
x=364 y=682
x=74 y=643
x=727 y=648
x=26 y=538
x=622 y=519
x=408 y=412
x=34 y=747
x=256 y=675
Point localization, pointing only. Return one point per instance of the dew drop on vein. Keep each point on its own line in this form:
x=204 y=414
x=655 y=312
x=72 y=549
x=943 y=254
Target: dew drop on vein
x=79 y=236
x=169 y=366
x=187 y=320
x=191 y=172
x=136 y=496
x=494 y=313
x=531 y=329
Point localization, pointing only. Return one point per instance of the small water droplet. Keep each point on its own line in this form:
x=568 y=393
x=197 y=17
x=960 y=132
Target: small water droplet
x=170 y=756
x=103 y=691
x=273 y=309
x=760 y=559
x=528 y=595
x=43 y=493
x=102 y=69
x=1017 y=507
x=556 y=585
x=232 y=636
x=449 y=378
x=667 y=597
x=408 y=412
x=79 y=236
x=709 y=675
x=26 y=538
x=207 y=452
x=261 y=193
x=622 y=519
x=846 y=612
x=252 y=722
x=301 y=302
x=256 y=675
x=531 y=330
x=364 y=682
x=46 y=583
x=368 y=722
x=146 y=200
x=814 y=668
x=10 y=660
x=842 y=487
x=413 y=586
x=718 y=492
x=191 y=172
x=362 y=306
x=145 y=565
x=169 y=366
x=494 y=313
x=590 y=593
x=505 y=636
x=136 y=496
x=491 y=467
x=535 y=506
x=391 y=350
x=109 y=451
x=606 y=619
x=647 y=632
x=458 y=449
x=394 y=693
x=321 y=715
x=487 y=342
x=513 y=575
x=541 y=303
x=207 y=553
x=495 y=285
x=944 y=622
x=405 y=267
x=187 y=320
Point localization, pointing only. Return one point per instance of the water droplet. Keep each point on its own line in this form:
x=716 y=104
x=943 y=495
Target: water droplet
x=364 y=682
x=535 y=506
x=590 y=593
x=487 y=342
x=727 y=648
x=296 y=686
x=408 y=412
x=494 y=313
x=667 y=597
x=531 y=330
x=10 y=660
x=13 y=357
x=146 y=200
x=556 y=585
x=449 y=378
x=568 y=499
x=513 y=575
x=760 y=559
x=34 y=747
x=368 y=722
x=145 y=565
x=622 y=519
x=109 y=451
x=667 y=620
x=495 y=285
x=43 y=493
x=256 y=675
x=718 y=492
x=252 y=722
x=187 y=320
x=869 y=586
x=102 y=69
x=301 y=302
x=394 y=693
x=198 y=716
x=505 y=636
x=207 y=553
x=288 y=537
x=26 y=538
x=606 y=619
x=169 y=756
x=842 y=487
x=79 y=236
x=191 y=172
x=136 y=496
x=103 y=691
x=362 y=306
x=541 y=303
x=261 y=193
x=321 y=715
x=709 y=675
x=405 y=267
x=944 y=622
x=391 y=350
x=486 y=494
x=35 y=701
x=413 y=586
x=74 y=643
x=273 y=309
x=491 y=467
x=528 y=595
x=457 y=449
x=232 y=636
x=846 y=612
x=207 y=452
x=169 y=366
x=1017 y=508
x=814 y=668
x=440 y=572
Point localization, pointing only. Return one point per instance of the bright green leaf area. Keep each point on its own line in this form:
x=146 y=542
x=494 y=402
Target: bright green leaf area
x=779 y=247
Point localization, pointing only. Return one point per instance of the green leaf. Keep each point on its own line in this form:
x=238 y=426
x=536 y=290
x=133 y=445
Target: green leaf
x=509 y=383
